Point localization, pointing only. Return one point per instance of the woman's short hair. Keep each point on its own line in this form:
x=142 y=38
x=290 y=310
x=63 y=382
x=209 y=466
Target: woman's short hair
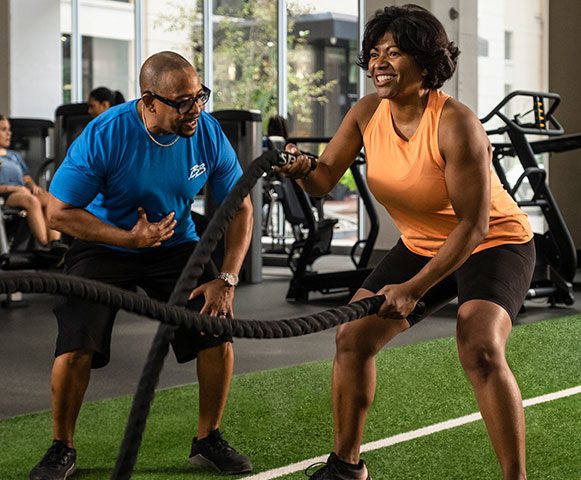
x=417 y=32
x=2 y=117
x=102 y=94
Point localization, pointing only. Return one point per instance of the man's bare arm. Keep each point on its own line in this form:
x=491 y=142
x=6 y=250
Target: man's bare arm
x=83 y=225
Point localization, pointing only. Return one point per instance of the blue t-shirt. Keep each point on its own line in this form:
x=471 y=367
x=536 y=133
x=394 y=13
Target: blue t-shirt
x=12 y=169
x=113 y=168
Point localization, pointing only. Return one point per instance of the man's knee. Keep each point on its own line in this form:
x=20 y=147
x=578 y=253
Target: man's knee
x=76 y=358
x=222 y=351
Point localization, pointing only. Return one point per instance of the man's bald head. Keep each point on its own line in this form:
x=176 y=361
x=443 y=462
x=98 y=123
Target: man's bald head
x=159 y=71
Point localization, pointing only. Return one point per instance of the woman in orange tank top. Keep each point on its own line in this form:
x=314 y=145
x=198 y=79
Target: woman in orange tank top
x=429 y=164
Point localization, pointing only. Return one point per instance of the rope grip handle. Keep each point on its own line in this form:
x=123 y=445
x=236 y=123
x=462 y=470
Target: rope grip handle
x=287 y=158
x=419 y=312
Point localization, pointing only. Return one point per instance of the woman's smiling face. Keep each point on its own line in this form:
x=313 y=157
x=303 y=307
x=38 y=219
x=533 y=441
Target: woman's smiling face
x=392 y=71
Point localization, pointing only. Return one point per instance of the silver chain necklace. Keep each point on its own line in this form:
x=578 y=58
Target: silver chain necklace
x=173 y=142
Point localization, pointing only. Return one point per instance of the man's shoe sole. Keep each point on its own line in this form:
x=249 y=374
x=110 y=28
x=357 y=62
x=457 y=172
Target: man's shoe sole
x=200 y=461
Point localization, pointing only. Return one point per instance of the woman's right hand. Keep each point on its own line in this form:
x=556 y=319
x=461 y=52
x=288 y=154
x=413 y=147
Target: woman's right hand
x=299 y=169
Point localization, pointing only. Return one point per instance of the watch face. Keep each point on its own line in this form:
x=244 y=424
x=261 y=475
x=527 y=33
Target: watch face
x=230 y=278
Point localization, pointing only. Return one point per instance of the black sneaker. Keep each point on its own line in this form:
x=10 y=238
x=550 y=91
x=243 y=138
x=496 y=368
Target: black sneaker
x=335 y=469
x=58 y=463
x=214 y=452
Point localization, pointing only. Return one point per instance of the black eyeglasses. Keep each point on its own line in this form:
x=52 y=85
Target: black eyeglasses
x=184 y=106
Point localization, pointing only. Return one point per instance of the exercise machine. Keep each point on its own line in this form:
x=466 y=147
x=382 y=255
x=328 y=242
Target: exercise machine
x=70 y=120
x=556 y=254
x=317 y=241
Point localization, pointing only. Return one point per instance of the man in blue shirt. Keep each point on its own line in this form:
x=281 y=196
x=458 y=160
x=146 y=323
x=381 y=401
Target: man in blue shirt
x=124 y=192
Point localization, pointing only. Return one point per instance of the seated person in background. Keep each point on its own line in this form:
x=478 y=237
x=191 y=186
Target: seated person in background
x=19 y=190
x=101 y=99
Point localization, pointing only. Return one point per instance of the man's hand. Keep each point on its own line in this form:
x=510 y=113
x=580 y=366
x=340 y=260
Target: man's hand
x=145 y=234
x=218 y=298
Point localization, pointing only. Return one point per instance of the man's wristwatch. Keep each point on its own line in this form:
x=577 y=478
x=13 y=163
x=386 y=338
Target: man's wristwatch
x=231 y=279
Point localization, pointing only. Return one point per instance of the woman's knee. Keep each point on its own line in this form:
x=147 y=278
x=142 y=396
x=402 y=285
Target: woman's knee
x=29 y=203
x=35 y=203
x=357 y=342
x=481 y=358
x=481 y=336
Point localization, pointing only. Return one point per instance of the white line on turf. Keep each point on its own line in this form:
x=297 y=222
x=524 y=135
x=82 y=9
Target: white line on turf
x=404 y=437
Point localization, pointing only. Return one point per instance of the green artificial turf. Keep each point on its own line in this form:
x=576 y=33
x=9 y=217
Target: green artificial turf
x=283 y=416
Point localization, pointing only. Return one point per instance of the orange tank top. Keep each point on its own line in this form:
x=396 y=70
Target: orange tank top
x=407 y=178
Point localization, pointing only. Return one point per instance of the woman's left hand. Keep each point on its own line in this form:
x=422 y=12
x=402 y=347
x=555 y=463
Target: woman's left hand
x=301 y=168
x=399 y=302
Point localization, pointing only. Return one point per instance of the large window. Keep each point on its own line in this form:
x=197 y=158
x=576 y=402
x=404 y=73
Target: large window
x=323 y=78
x=516 y=32
x=106 y=30
x=174 y=25
x=106 y=63
x=323 y=85
x=245 y=56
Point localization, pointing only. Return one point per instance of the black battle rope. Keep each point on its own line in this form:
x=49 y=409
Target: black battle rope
x=176 y=316
x=173 y=314
x=188 y=280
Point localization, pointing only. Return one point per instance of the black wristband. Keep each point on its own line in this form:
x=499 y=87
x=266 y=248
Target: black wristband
x=314 y=163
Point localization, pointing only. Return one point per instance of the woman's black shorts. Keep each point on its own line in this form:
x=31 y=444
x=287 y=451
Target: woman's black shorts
x=499 y=274
x=88 y=326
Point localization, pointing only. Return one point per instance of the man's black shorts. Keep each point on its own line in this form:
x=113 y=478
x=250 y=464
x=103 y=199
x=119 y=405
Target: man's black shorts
x=87 y=325
x=499 y=274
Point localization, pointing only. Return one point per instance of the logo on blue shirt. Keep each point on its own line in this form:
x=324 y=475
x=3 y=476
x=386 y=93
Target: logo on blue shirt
x=197 y=170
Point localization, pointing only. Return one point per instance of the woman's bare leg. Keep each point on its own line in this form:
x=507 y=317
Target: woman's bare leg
x=34 y=214
x=353 y=386
x=482 y=332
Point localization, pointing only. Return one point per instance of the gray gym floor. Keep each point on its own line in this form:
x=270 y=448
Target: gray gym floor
x=27 y=337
